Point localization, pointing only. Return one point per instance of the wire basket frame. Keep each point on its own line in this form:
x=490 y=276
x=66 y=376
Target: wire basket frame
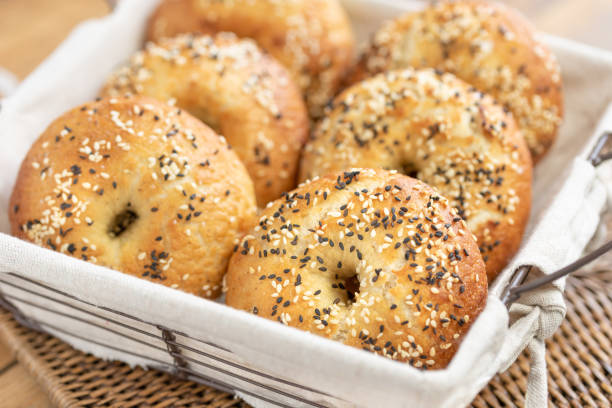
x=186 y=361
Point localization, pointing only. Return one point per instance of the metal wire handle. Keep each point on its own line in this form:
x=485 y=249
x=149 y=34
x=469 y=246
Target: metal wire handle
x=598 y=155
x=515 y=292
x=601 y=152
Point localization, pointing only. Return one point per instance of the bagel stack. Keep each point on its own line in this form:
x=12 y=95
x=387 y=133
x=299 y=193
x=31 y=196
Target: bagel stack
x=137 y=186
x=489 y=46
x=312 y=38
x=415 y=183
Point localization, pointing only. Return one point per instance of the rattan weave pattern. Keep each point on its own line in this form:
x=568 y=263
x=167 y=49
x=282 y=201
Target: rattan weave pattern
x=579 y=358
x=578 y=355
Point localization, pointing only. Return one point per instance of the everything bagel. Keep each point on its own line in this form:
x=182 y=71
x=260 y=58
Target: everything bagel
x=236 y=89
x=437 y=128
x=374 y=259
x=312 y=38
x=137 y=186
x=487 y=45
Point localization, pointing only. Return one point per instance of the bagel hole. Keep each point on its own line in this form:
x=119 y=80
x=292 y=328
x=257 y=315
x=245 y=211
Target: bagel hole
x=207 y=118
x=122 y=222
x=409 y=170
x=352 y=287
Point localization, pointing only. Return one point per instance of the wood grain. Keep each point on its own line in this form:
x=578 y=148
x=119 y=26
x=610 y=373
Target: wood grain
x=19 y=390
x=7 y=360
x=31 y=29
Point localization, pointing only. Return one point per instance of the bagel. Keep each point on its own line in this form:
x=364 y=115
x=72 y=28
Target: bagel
x=435 y=127
x=229 y=84
x=489 y=46
x=374 y=259
x=137 y=186
x=312 y=38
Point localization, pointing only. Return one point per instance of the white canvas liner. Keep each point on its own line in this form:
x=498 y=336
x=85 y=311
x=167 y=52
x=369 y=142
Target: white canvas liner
x=117 y=316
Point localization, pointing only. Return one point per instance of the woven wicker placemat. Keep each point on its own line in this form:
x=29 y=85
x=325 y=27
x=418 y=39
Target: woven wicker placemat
x=578 y=357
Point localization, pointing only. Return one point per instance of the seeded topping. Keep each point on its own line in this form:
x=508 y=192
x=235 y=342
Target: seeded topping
x=110 y=184
x=312 y=38
x=490 y=47
x=370 y=258
x=434 y=127
x=234 y=88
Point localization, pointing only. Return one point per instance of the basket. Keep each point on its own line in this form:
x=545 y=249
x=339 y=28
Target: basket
x=578 y=357
x=120 y=317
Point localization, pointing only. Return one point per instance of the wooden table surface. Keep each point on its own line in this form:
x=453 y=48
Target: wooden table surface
x=31 y=29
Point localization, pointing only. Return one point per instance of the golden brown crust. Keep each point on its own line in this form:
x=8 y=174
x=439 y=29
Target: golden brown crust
x=489 y=46
x=179 y=193
x=414 y=272
x=450 y=136
x=312 y=38
x=235 y=88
